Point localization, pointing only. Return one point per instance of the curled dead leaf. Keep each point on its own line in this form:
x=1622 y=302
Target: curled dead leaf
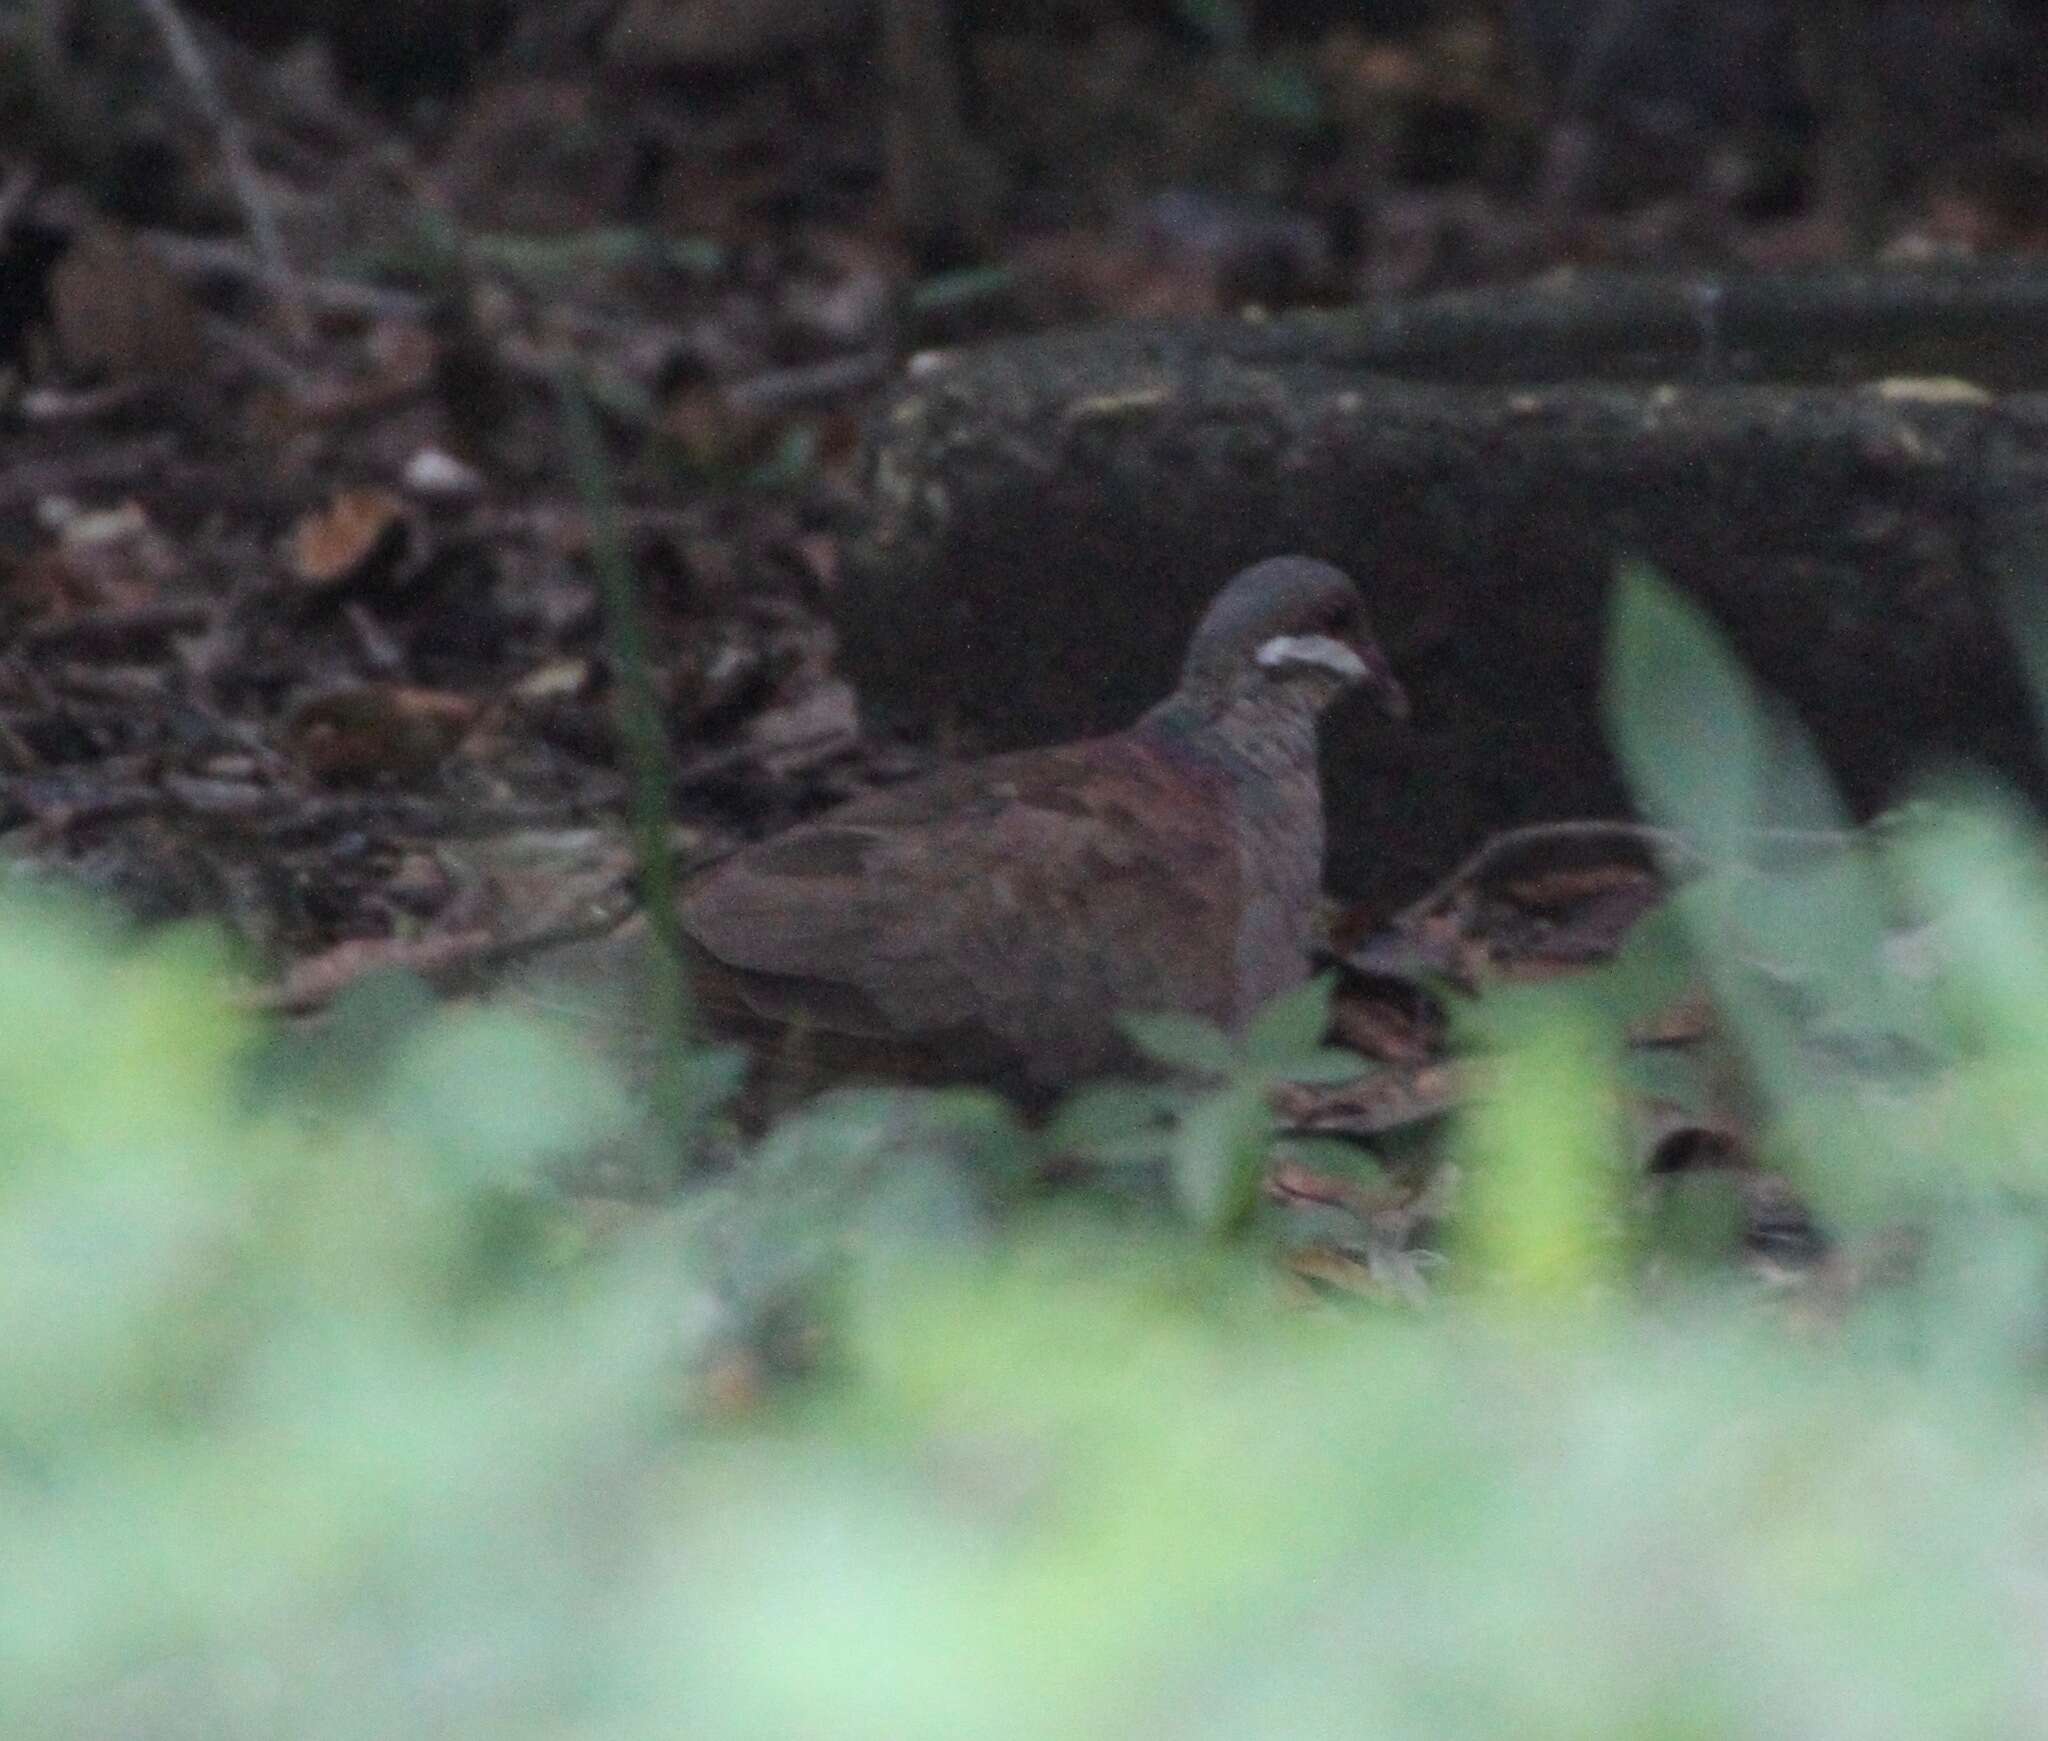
x=356 y=535
x=106 y=563
x=559 y=680
x=1930 y=390
x=1380 y=1101
x=377 y=730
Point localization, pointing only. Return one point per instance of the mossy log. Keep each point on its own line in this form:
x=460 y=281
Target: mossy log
x=1844 y=468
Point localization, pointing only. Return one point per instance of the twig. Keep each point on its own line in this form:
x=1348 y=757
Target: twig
x=1664 y=843
x=287 y=815
x=551 y=520
x=259 y=355
x=191 y=66
x=108 y=467
x=811 y=383
x=1482 y=859
x=119 y=631
x=46 y=405
x=206 y=255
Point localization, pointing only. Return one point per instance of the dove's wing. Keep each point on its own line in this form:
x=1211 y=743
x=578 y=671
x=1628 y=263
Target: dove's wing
x=999 y=916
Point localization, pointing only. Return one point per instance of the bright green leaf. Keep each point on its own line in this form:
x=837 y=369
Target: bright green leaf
x=1107 y=1112
x=1181 y=1042
x=1219 y=1157
x=1291 y=1024
x=1325 y=1066
x=710 y=1076
x=1543 y=1151
x=1656 y=966
x=498 y=1093
x=1683 y=718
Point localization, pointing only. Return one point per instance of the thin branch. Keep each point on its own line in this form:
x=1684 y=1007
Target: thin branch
x=191 y=65
x=207 y=256
x=1670 y=848
x=1601 y=830
x=810 y=383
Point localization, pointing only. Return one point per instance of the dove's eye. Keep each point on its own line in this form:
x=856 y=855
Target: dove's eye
x=1339 y=618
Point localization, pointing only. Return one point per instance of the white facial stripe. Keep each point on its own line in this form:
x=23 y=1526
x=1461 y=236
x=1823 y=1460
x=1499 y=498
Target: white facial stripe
x=1320 y=650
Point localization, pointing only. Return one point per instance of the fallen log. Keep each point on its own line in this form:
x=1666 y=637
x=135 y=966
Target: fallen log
x=1843 y=467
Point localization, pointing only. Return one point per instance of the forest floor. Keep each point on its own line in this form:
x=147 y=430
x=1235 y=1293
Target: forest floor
x=299 y=628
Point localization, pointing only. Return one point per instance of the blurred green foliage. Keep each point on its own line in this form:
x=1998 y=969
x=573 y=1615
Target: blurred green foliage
x=1206 y=1125
x=323 y=1413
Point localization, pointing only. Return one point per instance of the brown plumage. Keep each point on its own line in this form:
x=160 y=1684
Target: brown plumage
x=990 y=922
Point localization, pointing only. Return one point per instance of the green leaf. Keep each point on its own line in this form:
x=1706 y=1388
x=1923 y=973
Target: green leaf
x=1324 y=1067
x=1695 y=1221
x=1219 y=1157
x=495 y=1095
x=1825 y=920
x=1655 y=967
x=710 y=1076
x=1823 y=927
x=1338 y=1157
x=1291 y=1024
x=1543 y=1148
x=1684 y=721
x=1109 y=1113
x=1686 y=1077
x=1181 y=1042
x=1977 y=875
x=1704 y=755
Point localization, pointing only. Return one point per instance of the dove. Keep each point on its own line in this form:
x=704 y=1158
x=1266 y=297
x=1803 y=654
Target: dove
x=990 y=922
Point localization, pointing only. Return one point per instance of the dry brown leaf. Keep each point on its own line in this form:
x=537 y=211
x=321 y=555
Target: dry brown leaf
x=376 y=730
x=557 y=681
x=1391 y=1278
x=357 y=533
x=318 y=980
x=1381 y=1101
x=1291 y=1182
x=104 y=564
x=1379 y=1027
x=118 y=311
x=1332 y=1266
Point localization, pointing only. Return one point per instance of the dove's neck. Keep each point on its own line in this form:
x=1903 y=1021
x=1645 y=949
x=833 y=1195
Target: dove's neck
x=1261 y=736
x=1266 y=744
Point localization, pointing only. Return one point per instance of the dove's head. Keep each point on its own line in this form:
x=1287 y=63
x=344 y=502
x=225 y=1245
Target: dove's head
x=1292 y=631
